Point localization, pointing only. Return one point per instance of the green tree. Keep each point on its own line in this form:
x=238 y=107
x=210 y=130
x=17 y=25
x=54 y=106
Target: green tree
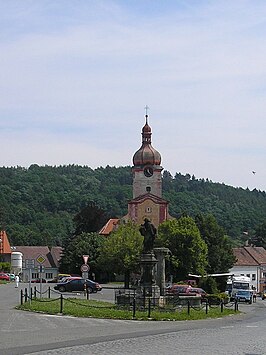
x=220 y=253
x=188 y=249
x=83 y=244
x=208 y=284
x=90 y=219
x=121 y=250
x=259 y=239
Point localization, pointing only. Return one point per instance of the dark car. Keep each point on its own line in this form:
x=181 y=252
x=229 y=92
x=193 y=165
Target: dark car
x=244 y=296
x=78 y=285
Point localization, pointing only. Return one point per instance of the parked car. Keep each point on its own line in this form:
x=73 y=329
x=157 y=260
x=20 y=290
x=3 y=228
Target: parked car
x=198 y=291
x=78 y=284
x=54 y=280
x=176 y=289
x=244 y=296
x=4 y=277
x=263 y=294
x=69 y=278
x=11 y=277
x=38 y=280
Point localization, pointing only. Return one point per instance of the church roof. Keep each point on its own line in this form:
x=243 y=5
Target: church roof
x=146 y=154
x=148 y=196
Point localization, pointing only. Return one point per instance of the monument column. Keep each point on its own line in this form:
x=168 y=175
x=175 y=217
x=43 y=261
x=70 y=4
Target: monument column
x=160 y=254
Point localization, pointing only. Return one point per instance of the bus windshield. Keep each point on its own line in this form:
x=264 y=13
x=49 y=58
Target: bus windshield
x=241 y=285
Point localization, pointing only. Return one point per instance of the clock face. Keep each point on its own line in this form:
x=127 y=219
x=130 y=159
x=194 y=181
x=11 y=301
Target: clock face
x=148 y=171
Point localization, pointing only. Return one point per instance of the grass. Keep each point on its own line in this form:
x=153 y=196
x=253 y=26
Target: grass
x=3 y=282
x=97 y=309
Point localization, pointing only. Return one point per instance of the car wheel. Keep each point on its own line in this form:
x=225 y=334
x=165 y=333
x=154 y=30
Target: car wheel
x=62 y=289
x=90 y=290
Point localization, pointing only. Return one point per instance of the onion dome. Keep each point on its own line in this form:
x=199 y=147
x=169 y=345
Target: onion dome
x=146 y=155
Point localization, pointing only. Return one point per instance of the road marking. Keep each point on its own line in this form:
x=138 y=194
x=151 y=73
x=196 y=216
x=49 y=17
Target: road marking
x=227 y=326
x=251 y=326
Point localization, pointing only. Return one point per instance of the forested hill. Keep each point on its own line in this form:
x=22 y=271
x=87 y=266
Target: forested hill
x=38 y=203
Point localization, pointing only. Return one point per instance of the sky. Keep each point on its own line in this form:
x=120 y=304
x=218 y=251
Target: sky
x=75 y=76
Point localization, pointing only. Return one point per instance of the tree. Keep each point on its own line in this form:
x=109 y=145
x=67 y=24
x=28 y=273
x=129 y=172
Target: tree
x=220 y=252
x=90 y=219
x=188 y=249
x=121 y=250
x=83 y=244
x=259 y=239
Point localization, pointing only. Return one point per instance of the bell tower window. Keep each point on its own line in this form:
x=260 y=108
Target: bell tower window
x=148 y=189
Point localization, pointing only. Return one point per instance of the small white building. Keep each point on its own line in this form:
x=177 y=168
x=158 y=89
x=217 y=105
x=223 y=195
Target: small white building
x=251 y=262
x=49 y=260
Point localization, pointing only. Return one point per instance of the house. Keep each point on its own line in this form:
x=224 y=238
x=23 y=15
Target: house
x=251 y=262
x=43 y=256
x=5 y=249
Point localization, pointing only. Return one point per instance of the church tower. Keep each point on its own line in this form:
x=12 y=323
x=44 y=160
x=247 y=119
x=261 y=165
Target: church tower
x=146 y=169
x=147 y=199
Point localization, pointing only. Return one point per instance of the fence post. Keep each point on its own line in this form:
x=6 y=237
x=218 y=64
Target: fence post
x=26 y=295
x=149 y=307
x=87 y=293
x=35 y=292
x=206 y=309
x=31 y=293
x=222 y=306
x=236 y=305
x=134 y=306
x=21 y=296
x=61 y=303
x=49 y=292
x=188 y=307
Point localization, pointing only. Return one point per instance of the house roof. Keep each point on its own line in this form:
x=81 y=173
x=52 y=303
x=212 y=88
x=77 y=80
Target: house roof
x=33 y=252
x=56 y=253
x=109 y=226
x=4 y=245
x=249 y=256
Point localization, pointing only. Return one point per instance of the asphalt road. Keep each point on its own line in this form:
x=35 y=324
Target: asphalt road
x=30 y=333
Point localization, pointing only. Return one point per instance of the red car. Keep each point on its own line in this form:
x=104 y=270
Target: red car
x=38 y=281
x=4 y=277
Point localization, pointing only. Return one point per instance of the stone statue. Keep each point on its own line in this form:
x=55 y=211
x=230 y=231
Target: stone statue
x=148 y=231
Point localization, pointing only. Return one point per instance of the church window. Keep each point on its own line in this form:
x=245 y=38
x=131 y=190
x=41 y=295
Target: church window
x=148 y=210
x=148 y=189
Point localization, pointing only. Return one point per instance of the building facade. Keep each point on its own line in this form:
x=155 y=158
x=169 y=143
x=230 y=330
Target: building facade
x=251 y=262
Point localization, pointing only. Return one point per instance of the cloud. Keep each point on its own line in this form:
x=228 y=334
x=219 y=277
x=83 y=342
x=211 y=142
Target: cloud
x=84 y=73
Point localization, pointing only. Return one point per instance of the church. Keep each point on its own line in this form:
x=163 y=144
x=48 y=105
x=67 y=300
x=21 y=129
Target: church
x=147 y=201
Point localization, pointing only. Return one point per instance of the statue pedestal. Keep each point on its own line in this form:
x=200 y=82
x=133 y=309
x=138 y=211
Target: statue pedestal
x=147 y=264
x=147 y=287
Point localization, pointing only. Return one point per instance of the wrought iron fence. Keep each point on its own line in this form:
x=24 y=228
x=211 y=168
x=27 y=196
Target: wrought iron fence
x=129 y=299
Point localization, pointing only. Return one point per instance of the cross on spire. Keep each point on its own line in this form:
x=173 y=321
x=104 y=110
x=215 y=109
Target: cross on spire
x=146 y=108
